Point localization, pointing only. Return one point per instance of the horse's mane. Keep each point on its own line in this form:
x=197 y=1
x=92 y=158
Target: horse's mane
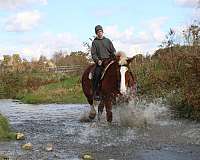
x=122 y=58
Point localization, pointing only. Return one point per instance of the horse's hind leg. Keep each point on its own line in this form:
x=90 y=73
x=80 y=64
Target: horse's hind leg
x=100 y=109
x=92 y=113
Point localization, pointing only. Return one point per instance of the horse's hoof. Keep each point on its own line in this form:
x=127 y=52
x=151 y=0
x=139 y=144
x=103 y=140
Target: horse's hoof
x=93 y=125
x=109 y=123
x=85 y=119
x=99 y=118
x=92 y=115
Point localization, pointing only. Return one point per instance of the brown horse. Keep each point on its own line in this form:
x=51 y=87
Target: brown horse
x=117 y=80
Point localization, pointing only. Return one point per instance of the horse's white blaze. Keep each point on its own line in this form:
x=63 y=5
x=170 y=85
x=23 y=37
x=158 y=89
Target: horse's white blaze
x=123 y=88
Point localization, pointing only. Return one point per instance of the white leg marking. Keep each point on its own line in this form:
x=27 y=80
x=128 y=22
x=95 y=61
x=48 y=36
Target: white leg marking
x=123 y=88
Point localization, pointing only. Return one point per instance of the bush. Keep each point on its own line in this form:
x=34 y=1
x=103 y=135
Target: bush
x=5 y=131
x=174 y=77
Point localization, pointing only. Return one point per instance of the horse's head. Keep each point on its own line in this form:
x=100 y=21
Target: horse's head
x=126 y=78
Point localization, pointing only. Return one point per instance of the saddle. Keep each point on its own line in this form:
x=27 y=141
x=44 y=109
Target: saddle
x=106 y=65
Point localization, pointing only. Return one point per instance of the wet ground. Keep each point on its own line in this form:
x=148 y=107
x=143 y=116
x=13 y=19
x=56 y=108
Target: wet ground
x=147 y=134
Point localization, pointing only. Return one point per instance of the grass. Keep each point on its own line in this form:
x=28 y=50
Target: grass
x=5 y=131
x=66 y=91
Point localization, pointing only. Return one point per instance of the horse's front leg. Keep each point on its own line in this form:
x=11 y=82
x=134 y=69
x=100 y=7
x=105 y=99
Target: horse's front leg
x=108 y=105
x=100 y=110
x=92 y=113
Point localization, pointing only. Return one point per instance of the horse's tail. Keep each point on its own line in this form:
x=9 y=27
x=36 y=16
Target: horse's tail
x=87 y=83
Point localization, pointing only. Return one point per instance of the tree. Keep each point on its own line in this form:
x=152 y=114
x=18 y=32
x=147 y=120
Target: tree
x=16 y=60
x=6 y=60
x=87 y=44
x=58 y=58
x=42 y=59
x=192 y=34
x=169 y=42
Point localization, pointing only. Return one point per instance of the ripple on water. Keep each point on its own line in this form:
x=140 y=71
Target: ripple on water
x=193 y=135
x=125 y=138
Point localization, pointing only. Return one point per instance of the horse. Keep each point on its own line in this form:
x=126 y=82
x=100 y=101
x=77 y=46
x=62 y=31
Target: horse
x=117 y=81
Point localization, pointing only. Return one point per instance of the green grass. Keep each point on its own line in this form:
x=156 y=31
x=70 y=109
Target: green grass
x=5 y=131
x=67 y=91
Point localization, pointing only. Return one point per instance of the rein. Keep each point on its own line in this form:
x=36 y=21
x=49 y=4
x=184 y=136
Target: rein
x=107 y=68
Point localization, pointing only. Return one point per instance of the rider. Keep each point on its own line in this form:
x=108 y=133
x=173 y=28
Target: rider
x=102 y=49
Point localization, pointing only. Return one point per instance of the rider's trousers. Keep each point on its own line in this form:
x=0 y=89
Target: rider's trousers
x=97 y=77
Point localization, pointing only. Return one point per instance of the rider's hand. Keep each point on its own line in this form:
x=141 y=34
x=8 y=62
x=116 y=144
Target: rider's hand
x=99 y=62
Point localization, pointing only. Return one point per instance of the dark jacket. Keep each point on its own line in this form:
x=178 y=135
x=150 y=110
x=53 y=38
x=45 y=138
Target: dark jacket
x=102 y=49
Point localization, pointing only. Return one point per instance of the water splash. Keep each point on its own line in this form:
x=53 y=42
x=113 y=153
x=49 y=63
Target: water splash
x=193 y=135
x=140 y=113
x=85 y=116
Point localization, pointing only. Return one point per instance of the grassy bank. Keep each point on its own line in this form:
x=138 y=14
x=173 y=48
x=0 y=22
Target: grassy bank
x=68 y=90
x=5 y=131
x=17 y=84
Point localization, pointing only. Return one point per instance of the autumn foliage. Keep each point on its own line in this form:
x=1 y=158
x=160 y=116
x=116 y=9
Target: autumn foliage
x=173 y=72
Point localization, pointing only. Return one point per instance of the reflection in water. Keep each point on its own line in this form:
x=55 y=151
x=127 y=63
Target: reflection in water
x=139 y=131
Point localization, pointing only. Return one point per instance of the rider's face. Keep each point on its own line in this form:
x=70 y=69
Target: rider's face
x=100 y=34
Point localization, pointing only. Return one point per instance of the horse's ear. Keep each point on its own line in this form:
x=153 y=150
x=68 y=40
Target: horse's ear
x=129 y=60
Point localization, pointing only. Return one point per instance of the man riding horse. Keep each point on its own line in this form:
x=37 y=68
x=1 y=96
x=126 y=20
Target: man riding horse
x=102 y=49
x=112 y=70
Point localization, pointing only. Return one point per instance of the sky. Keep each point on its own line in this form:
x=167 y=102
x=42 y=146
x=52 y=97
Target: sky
x=42 y=27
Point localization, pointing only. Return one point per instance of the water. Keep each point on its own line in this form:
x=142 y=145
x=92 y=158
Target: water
x=140 y=131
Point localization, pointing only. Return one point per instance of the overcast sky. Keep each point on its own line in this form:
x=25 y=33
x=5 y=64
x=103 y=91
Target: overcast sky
x=35 y=27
